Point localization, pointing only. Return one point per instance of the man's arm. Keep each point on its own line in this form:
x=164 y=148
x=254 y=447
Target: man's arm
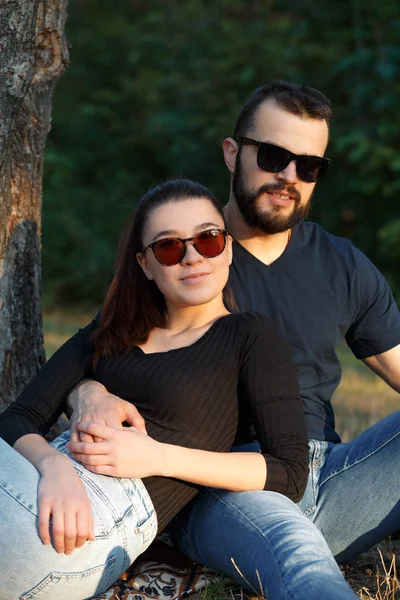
x=387 y=366
x=90 y=401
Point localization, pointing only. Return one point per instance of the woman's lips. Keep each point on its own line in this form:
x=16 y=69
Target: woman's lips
x=194 y=277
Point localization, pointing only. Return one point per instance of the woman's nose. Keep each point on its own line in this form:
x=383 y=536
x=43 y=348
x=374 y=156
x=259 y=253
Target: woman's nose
x=191 y=254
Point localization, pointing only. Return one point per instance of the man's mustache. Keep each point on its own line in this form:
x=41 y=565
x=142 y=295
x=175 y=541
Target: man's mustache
x=267 y=189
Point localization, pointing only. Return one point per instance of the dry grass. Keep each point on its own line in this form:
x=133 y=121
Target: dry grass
x=374 y=574
x=360 y=400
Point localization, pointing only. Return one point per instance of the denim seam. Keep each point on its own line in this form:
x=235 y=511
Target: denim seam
x=141 y=494
x=65 y=576
x=260 y=533
x=8 y=491
x=346 y=467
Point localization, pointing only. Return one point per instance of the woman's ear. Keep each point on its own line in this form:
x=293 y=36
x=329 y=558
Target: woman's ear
x=229 y=241
x=142 y=260
x=230 y=149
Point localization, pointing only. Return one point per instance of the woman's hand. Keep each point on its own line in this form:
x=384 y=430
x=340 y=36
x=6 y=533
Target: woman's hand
x=62 y=497
x=122 y=453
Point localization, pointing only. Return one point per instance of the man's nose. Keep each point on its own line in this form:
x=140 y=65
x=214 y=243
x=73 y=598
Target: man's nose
x=289 y=174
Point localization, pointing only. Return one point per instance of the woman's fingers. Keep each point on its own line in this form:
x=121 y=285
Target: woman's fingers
x=92 y=459
x=70 y=529
x=88 y=448
x=44 y=522
x=58 y=529
x=91 y=537
x=96 y=429
x=70 y=522
x=103 y=470
x=83 y=527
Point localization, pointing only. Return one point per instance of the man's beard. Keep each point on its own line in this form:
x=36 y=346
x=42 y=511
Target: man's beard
x=272 y=221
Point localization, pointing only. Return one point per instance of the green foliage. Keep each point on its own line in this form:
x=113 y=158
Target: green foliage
x=154 y=87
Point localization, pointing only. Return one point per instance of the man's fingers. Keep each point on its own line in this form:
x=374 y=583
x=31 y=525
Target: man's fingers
x=74 y=435
x=44 y=518
x=134 y=418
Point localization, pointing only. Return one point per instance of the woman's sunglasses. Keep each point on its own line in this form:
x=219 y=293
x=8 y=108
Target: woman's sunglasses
x=274 y=159
x=170 y=251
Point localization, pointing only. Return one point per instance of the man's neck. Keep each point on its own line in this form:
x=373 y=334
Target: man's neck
x=266 y=247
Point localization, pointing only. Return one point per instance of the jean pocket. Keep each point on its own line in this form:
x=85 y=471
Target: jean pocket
x=308 y=504
x=83 y=584
x=147 y=530
x=59 y=442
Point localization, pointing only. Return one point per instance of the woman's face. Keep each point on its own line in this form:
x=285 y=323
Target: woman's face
x=195 y=280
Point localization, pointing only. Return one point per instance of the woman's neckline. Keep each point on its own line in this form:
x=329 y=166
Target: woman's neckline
x=199 y=339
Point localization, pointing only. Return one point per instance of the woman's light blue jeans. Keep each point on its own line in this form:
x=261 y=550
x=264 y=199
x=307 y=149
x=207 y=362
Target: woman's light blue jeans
x=352 y=497
x=124 y=521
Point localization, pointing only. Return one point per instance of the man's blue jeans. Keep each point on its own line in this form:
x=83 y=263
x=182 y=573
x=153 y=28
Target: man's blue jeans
x=352 y=497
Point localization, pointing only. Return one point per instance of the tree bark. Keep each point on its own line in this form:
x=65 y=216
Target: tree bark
x=33 y=54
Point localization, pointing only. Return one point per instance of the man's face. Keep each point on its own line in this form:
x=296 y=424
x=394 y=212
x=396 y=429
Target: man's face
x=275 y=202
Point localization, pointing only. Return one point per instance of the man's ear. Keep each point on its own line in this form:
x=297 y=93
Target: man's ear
x=230 y=149
x=142 y=260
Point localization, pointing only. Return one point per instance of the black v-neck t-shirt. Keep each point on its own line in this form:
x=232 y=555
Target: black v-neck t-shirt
x=190 y=396
x=318 y=291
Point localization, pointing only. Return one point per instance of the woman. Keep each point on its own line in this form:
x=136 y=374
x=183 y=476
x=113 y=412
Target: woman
x=167 y=341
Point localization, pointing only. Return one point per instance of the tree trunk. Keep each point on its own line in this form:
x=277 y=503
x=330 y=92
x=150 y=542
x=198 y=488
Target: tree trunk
x=33 y=54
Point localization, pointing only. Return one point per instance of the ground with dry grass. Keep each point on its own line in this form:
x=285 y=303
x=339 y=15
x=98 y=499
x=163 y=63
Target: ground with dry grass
x=361 y=400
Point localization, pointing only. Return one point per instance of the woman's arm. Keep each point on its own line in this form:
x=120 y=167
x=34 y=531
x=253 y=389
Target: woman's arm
x=131 y=453
x=44 y=399
x=61 y=492
x=61 y=495
x=269 y=393
x=235 y=471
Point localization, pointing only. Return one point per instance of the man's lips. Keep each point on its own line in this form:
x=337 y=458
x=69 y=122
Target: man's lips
x=281 y=194
x=281 y=198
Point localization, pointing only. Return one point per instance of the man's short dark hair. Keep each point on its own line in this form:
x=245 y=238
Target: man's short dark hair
x=299 y=100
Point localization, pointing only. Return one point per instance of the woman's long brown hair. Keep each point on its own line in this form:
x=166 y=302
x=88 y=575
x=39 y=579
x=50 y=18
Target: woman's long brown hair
x=134 y=305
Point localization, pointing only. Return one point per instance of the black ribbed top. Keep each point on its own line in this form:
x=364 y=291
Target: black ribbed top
x=189 y=396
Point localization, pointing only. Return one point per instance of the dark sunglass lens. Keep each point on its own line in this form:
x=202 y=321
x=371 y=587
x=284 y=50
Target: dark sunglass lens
x=169 y=252
x=210 y=243
x=309 y=169
x=272 y=159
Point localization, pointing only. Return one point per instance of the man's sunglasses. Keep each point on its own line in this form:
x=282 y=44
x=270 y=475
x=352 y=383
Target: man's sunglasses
x=170 y=251
x=274 y=159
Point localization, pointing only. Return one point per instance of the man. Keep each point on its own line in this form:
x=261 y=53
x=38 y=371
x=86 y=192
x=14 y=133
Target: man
x=316 y=287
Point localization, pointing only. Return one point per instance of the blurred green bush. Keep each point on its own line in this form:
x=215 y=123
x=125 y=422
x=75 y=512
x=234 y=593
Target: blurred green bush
x=154 y=87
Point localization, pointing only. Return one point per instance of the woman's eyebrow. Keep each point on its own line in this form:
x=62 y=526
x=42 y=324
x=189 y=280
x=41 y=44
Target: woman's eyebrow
x=208 y=225
x=165 y=233
x=173 y=232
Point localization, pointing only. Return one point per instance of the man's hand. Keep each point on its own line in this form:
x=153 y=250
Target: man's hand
x=90 y=401
x=123 y=452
